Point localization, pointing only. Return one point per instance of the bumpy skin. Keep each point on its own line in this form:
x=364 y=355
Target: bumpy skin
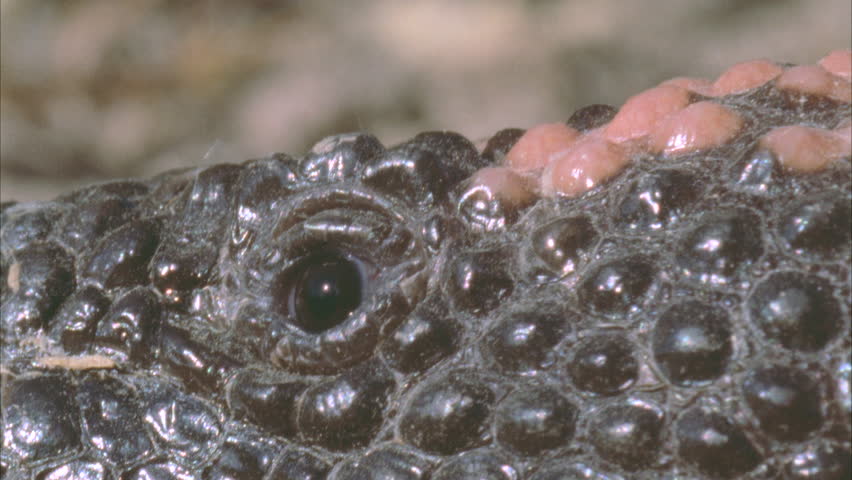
x=689 y=318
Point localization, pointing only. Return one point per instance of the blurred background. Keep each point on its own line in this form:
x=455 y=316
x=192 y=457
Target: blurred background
x=99 y=89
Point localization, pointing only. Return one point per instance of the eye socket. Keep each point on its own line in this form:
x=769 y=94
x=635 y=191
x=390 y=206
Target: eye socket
x=325 y=290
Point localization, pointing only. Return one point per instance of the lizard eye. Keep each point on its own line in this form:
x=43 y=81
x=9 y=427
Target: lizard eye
x=326 y=289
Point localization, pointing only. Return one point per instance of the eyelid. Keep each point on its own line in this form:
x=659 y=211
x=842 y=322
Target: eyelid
x=357 y=199
x=336 y=226
x=367 y=235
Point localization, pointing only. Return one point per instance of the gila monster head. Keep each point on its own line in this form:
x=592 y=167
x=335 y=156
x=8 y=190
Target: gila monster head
x=658 y=291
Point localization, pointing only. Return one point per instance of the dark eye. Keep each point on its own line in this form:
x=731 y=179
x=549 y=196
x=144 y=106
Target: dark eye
x=326 y=289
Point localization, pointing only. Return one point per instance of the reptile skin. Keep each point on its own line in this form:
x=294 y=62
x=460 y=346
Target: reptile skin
x=364 y=312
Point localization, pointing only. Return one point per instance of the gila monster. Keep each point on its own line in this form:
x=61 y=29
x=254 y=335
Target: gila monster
x=656 y=291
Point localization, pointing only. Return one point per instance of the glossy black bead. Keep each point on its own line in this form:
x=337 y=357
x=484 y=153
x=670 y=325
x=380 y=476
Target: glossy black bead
x=130 y=325
x=207 y=204
x=795 y=310
x=786 y=402
x=484 y=210
x=158 y=470
x=270 y=404
x=46 y=270
x=40 y=277
x=200 y=367
x=112 y=420
x=121 y=258
x=428 y=335
x=24 y=224
x=448 y=415
x=604 y=364
x=565 y=244
x=388 y=462
x=263 y=184
x=77 y=470
x=524 y=341
x=40 y=420
x=263 y=187
x=617 y=288
x=533 y=420
x=182 y=424
x=591 y=117
x=709 y=441
x=345 y=412
x=820 y=226
x=297 y=464
x=167 y=195
x=437 y=229
x=74 y=324
x=459 y=154
x=500 y=143
x=479 y=465
x=178 y=269
x=425 y=169
x=629 y=434
x=479 y=280
x=129 y=190
x=93 y=218
x=692 y=343
x=405 y=171
x=721 y=247
x=757 y=173
x=235 y=462
x=189 y=247
x=339 y=157
x=560 y=470
x=657 y=200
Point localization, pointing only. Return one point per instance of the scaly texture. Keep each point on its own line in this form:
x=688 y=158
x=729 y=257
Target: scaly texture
x=421 y=312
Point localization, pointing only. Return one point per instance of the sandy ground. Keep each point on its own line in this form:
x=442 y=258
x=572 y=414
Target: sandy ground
x=98 y=89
